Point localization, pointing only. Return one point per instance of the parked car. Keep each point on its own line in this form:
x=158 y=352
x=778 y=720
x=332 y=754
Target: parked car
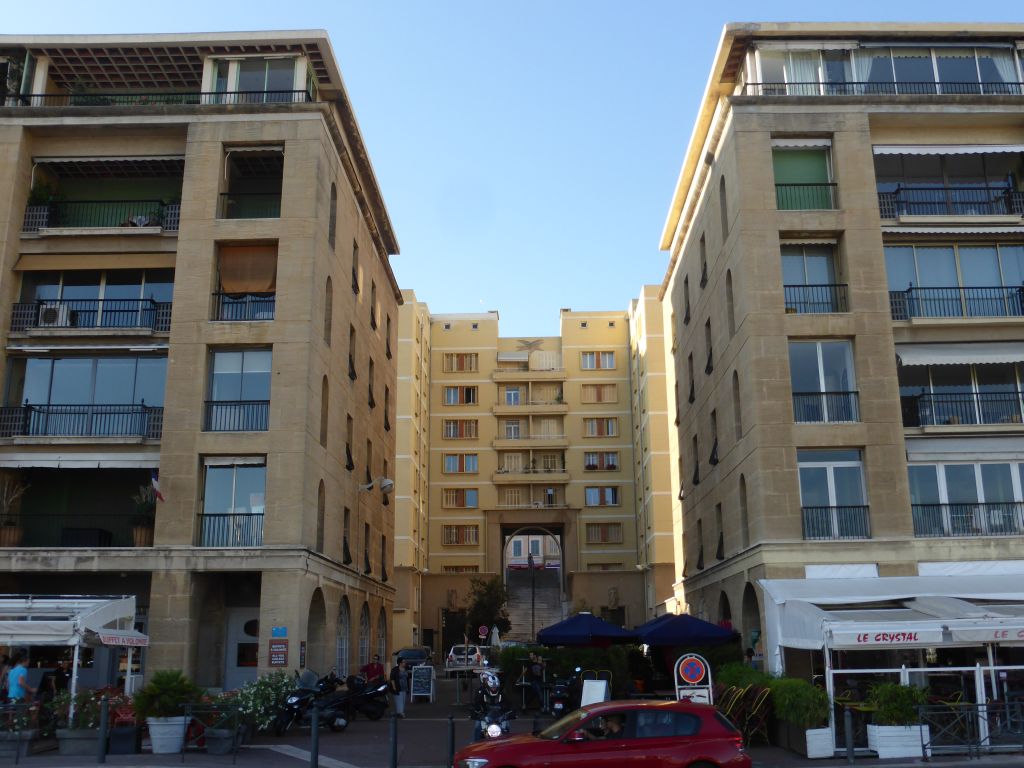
x=415 y=655
x=649 y=733
x=463 y=656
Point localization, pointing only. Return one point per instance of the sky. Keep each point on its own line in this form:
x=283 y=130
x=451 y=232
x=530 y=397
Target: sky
x=527 y=151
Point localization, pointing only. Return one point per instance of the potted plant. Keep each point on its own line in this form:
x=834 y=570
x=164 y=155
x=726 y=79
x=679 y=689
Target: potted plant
x=805 y=707
x=145 y=510
x=77 y=734
x=896 y=730
x=11 y=491
x=162 y=703
x=219 y=716
x=17 y=731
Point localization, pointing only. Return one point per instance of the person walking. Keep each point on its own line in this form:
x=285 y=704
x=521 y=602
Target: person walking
x=18 y=689
x=400 y=686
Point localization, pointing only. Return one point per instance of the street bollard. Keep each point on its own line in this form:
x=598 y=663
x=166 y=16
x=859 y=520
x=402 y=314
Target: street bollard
x=451 y=741
x=101 y=745
x=848 y=729
x=536 y=724
x=314 y=738
x=394 y=741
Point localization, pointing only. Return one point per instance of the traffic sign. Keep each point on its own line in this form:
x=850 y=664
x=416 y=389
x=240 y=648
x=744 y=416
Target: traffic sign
x=482 y=630
x=693 y=679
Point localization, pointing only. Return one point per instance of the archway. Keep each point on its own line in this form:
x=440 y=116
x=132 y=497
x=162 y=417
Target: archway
x=364 y=636
x=316 y=632
x=343 y=643
x=751 y=617
x=535 y=595
x=724 y=610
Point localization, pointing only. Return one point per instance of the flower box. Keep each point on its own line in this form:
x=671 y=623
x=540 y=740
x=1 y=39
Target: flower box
x=890 y=741
x=77 y=742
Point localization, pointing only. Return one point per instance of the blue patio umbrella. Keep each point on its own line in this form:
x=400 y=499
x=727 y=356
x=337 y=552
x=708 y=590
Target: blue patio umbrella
x=584 y=629
x=682 y=629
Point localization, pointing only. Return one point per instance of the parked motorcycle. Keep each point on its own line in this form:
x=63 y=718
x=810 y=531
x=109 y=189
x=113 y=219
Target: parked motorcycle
x=492 y=724
x=311 y=691
x=367 y=697
x=560 y=698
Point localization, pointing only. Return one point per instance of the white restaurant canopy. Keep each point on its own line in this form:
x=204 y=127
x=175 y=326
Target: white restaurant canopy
x=893 y=612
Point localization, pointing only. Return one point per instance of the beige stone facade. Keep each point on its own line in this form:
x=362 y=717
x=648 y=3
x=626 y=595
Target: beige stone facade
x=812 y=376
x=215 y=219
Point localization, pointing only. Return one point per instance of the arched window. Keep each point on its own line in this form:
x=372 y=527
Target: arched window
x=321 y=507
x=737 y=414
x=744 y=519
x=344 y=633
x=328 y=310
x=332 y=216
x=364 y=636
x=382 y=635
x=723 y=207
x=325 y=406
x=729 y=308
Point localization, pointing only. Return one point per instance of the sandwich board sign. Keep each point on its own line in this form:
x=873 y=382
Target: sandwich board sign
x=423 y=682
x=693 y=679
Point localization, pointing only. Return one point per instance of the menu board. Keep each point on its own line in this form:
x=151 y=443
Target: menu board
x=278 y=656
x=423 y=682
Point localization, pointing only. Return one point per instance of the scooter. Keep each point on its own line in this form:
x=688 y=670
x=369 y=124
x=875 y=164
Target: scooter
x=559 y=700
x=492 y=724
x=368 y=697
x=311 y=692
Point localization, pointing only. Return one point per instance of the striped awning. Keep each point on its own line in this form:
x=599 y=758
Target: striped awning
x=945 y=149
x=960 y=354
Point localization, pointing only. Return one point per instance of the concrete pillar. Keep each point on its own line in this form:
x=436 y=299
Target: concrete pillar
x=284 y=603
x=173 y=622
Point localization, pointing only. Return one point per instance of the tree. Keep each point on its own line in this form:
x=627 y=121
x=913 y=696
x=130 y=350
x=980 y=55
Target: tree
x=486 y=605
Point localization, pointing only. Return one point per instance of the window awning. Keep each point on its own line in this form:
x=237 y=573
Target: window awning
x=787 y=143
x=112 y=460
x=67 y=620
x=960 y=354
x=945 y=149
x=510 y=357
x=951 y=231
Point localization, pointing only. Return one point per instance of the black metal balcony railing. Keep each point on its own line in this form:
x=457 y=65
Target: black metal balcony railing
x=76 y=528
x=249 y=205
x=151 y=99
x=92 y=214
x=92 y=313
x=951 y=201
x=822 y=523
x=237 y=416
x=953 y=408
x=231 y=530
x=805 y=197
x=816 y=299
x=826 y=407
x=954 y=301
x=901 y=88
x=244 y=307
x=992 y=519
x=88 y=420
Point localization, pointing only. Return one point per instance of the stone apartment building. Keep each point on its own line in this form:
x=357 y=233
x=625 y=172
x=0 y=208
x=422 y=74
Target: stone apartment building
x=194 y=282
x=844 y=299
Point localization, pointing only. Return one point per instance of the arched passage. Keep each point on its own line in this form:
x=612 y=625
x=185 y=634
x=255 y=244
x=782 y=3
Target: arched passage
x=316 y=632
x=724 y=609
x=751 y=617
x=343 y=643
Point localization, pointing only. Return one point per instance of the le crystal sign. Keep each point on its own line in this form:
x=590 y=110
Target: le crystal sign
x=890 y=637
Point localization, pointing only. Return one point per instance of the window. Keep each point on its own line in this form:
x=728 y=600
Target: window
x=461 y=362
x=512 y=497
x=352 y=373
x=475 y=326
x=968 y=184
x=809 y=276
x=321 y=511
x=254 y=175
x=730 y=309
x=246 y=282
x=349 y=429
x=346 y=537
x=713 y=460
x=324 y=410
x=700 y=545
x=977 y=499
x=590 y=361
x=823 y=381
x=723 y=207
x=517 y=547
x=332 y=215
x=460 y=395
x=599 y=393
x=459 y=534
x=512 y=396
x=803 y=179
x=583 y=323
x=367 y=570
x=720 y=533
x=535 y=547
x=961 y=394
x=387 y=336
x=601 y=460
x=604 y=533
x=369 y=376
x=369 y=461
x=601 y=496
x=710 y=366
x=600 y=427
x=328 y=310
x=459 y=498
x=744 y=515
x=686 y=300
x=356 y=271
x=689 y=372
x=257 y=79
x=703 y=261
x=457 y=429
x=832 y=494
x=387 y=408
x=512 y=429
x=374 y=308
x=653 y=723
x=239 y=391
x=233 y=502
x=695 y=450
x=460 y=463
x=737 y=408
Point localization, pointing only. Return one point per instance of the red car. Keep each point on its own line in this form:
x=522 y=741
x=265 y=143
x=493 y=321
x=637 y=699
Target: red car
x=620 y=734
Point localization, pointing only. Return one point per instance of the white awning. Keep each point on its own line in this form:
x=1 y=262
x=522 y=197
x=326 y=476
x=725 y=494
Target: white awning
x=786 y=143
x=107 y=460
x=107 y=158
x=68 y=620
x=514 y=357
x=953 y=230
x=945 y=149
x=123 y=638
x=960 y=354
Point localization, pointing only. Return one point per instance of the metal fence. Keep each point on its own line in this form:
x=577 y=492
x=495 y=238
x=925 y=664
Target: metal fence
x=237 y=416
x=972 y=729
x=825 y=407
x=157 y=98
x=815 y=299
x=951 y=201
x=805 y=197
x=244 y=307
x=91 y=214
x=87 y=420
x=988 y=519
x=901 y=87
x=957 y=301
x=92 y=313
x=249 y=205
x=953 y=408
x=824 y=523
x=231 y=529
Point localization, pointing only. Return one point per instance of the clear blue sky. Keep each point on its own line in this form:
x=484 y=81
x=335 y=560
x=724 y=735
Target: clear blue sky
x=527 y=150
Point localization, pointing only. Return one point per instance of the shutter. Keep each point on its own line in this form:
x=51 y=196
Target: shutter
x=800 y=166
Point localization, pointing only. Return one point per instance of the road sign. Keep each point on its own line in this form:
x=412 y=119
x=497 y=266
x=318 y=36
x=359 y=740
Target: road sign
x=693 y=679
x=482 y=631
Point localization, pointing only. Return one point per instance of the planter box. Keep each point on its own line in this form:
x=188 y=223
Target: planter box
x=124 y=740
x=12 y=744
x=78 y=742
x=219 y=741
x=820 y=743
x=167 y=734
x=890 y=741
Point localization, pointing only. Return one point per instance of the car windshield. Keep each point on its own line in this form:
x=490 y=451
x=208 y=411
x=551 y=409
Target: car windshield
x=559 y=728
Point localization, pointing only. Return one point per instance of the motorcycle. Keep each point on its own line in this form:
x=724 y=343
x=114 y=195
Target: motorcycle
x=560 y=698
x=313 y=692
x=492 y=724
x=368 y=697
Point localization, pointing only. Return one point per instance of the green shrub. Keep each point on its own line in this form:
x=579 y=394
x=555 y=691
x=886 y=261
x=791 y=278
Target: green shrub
x=896 y=704
x=87 y=710
x=260 y=699
x=562 y=662
x=741 y=675
x=166 y=695
x=799 y=702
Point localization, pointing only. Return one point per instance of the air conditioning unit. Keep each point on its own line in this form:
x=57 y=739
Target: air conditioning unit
x=53 y=316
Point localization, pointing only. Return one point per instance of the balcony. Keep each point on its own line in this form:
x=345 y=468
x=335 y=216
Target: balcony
x=51 y=530
x=834 y=523
x=156 y=99
x=231 y=530
x=244 y=307
x=127 y=215
x=91 y=420
x=961 y=408
x=955 y=520
x=524 y=408
x=951 y=201
x=249 y=205
x=998 y=301
x=527 y=476
x=236 y=416
x=825 y=407
x=87 y=314
x=901 y=88
x=520 y=374
x=530 y=441
x=815 y=299
x=533 y=505
x=805 y=197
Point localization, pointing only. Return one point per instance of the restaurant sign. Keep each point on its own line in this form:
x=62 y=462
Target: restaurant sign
x=890 y=637
x=989 y=634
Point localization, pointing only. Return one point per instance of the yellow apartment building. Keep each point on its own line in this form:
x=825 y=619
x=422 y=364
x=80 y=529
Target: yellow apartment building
x=194 y=281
